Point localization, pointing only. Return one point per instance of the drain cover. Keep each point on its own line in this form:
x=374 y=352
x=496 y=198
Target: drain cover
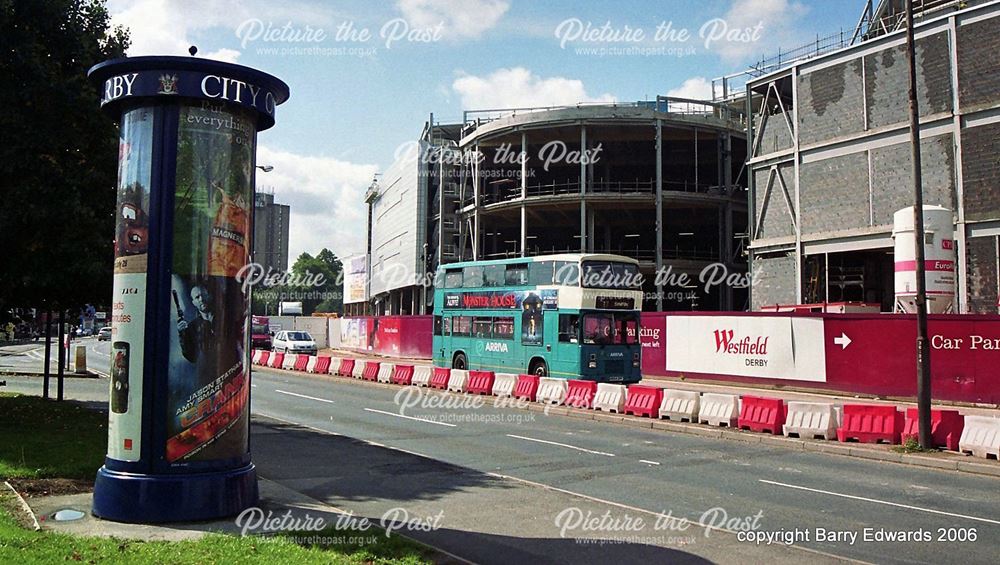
x=67 y=515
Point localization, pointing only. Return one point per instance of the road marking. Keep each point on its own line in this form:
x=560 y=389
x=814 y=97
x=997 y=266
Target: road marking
x=562 y=445
x=410 y=417
x=648 y=461
x=328 y=432
x=303 y=396
x=885 y=502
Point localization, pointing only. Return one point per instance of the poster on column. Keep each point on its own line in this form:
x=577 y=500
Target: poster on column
x=128 y=306
x=208 y=386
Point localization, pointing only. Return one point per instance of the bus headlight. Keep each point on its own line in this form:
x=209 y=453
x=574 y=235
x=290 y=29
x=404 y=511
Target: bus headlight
x=635 y=359
x=592 y=362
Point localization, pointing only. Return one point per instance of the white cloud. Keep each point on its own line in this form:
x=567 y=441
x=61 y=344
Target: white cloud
x=698 y=88
x=170 y=27
x=779 y=21
x=518 y=87
x=458 y=18
x=326 y=196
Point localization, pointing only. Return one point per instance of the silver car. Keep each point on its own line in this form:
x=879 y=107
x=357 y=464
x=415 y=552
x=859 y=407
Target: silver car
x=293 y=341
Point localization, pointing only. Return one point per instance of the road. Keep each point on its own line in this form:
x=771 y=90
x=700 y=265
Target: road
x=502 y=477
x=29 y=357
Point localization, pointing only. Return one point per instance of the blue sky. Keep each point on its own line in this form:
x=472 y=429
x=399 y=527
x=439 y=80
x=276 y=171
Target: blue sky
x=356 y=100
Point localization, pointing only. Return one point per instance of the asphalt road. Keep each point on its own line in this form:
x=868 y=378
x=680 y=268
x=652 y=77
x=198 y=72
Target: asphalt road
x=30 y=357
x=513 y=485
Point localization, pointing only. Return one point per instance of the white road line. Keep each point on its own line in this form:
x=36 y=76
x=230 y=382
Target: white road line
x=410 y=417
x=876 y=501
x=303 y=396
x=648 y=461
x=562 y=445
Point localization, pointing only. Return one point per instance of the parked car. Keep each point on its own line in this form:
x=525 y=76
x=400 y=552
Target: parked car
x=294 y=341
x=104 y=334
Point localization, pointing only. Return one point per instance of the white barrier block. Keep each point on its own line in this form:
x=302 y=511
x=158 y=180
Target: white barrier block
x=551 y=390
x=311 y=365
x=504 y=383
x=980 y=437
x=719 y=409
x=682 y=405
x=458 y=379
x=385 y=373
x=334 y=365
x=359 y=369
x=609 y=397
x=257 y=354
x=290 y=359
x=421 y=375
x=812 y=419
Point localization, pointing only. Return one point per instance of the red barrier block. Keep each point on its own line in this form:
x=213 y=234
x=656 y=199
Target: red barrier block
x=263 y=358
x=526 y=387
x=580 y=394
x=760 y=414
x=946 y=427
x=276 y=360
x=643 y=400
x=371 y=371
x=346 y=367
x=869 y=423
x=322 y=365
x=440 y=378
x=402 y=375
x=480 y=382
x=301 y=362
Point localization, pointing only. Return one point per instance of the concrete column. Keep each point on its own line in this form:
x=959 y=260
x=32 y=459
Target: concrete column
x=659 y=212
x=475 y=209
x=583 y=191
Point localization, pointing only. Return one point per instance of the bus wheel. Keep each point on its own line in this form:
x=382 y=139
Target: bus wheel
x=538 y=368
x=459 y=362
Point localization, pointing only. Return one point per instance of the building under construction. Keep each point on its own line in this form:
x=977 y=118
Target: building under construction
x=830 y=157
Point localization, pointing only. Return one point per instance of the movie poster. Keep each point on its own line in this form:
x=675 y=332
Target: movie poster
x=208 y=372
x=128 y=305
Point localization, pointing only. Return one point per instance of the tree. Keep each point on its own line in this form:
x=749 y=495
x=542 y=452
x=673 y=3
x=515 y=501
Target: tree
x=316 y=296
x=58 y=162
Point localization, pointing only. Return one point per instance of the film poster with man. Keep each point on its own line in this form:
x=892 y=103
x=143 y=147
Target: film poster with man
x=209 y=364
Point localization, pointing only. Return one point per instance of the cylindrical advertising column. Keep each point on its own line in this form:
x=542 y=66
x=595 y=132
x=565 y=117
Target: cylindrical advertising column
x=178 y=433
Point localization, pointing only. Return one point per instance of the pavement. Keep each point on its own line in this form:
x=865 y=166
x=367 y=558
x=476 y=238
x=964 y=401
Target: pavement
x=28 y=358
x=514 y=484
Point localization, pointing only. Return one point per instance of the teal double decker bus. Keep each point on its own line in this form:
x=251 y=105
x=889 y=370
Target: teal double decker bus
x=567 y=315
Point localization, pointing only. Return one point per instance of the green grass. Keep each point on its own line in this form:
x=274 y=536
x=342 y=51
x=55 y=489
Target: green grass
x=18 y=545
x=46 y=439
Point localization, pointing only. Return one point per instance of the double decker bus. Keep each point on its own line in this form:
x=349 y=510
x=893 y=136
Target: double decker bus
x=567 y=315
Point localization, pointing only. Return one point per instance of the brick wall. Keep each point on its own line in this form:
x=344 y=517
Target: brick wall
x=887 y=81
x=892 y=185
x=982 y=269
x=981 y=171
x=830 y=102
x=978 y=64
x=773 y=280
x=834 y=194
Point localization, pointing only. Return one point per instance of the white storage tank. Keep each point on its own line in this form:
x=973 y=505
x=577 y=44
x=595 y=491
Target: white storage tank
x=939 y=260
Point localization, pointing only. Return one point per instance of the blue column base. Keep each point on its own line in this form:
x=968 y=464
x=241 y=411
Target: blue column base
x=157 y=499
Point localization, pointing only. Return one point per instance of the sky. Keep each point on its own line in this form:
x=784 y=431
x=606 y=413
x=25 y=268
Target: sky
x=365 y=75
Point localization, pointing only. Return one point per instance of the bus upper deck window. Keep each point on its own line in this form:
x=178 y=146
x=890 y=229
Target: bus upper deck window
x=495 y=275
x=453 y=279
x=540 y=273
x=472 y=277
x=516 y=275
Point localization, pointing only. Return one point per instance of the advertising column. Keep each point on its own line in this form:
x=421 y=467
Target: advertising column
x=178 y=437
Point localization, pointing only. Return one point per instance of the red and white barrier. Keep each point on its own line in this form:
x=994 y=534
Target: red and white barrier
x=946 y=427
x=981 y=437
x=719 y=409
x=811 y=420
x=421 y=376
x=440 y=377
x=288 y=363
x=643 y=400
x=334 y=365
x=457 y=380
x=480 y=382
x=580 y=394
x=681 y=405
x=503 y=384
x=609 y=398
x=761 y=414
x=276 y=360
x=551 y=390
x=359 y=369
x=871 y=423
x=526 y=387
x=385 y=373
x=301 y=363
x=402 y=375
x=257 y=353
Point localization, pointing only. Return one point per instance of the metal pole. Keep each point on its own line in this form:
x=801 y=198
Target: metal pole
x=62 y=356
x=923 y=351
x=48 y=354
x=659 y=214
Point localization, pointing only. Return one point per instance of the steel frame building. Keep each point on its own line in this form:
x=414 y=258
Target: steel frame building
x=829 y=158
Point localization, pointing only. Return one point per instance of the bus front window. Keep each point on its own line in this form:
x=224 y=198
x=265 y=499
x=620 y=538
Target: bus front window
x=598 y=328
